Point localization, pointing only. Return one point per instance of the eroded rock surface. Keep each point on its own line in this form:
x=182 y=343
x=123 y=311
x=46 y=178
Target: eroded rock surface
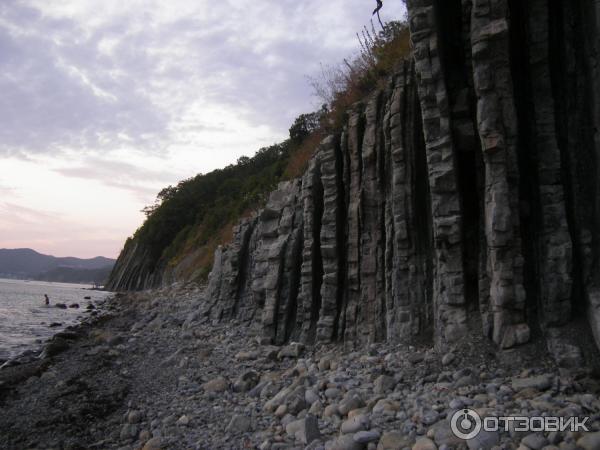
x=455 y=192
x=461 y=198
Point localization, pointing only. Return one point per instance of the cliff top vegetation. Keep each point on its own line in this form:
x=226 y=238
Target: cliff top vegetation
x=198 y=213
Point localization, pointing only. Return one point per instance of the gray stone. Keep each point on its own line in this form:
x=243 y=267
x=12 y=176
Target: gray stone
x=456 y=403
x=534 y=441
x=333 y=393
x=448 y=359
x=394 y=440
x=430 y=417
x=155 y=443
x=331 y=410
x=129 y=431
x=293 y=350
x=246 y=381
x=349 y=403
x=383 y=384
x=443 y=435
x=541 y=383
x=239 y=424
x=346 y=442
x=218 y=384
x=183 y=421
x=424 y=444
x=305 y=430
x=134 y=417
x=589 y=441
x=357 y=423
x=364 y=437
x=311 y=396
x=484 y=440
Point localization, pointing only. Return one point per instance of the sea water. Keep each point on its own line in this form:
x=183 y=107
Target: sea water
x=25 y=319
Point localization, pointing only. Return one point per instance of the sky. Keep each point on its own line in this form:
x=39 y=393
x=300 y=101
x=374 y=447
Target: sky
x=105 y=102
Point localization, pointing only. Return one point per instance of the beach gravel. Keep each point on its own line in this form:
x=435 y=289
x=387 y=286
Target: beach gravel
x=147 y=372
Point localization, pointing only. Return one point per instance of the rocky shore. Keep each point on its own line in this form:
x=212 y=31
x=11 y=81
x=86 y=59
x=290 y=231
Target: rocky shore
x=150 y=372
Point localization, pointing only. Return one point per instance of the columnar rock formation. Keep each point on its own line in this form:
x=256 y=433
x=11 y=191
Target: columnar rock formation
x=345 y=251
x=455 y=193
x=465 y=193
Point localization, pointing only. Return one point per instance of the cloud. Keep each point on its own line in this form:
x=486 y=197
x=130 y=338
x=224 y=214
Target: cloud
x=6 y=190
x=15 y=213
x=53 y=233
x=122 y=175
x=105 y=102
x=88 y=75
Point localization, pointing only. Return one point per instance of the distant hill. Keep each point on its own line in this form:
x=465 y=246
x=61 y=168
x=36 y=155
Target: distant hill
x=70 y=275
x=25 y=263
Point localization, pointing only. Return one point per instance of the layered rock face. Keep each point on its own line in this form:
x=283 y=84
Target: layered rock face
x=133 y=271
x=345 y=251
x=461 y=198
x=464 y=192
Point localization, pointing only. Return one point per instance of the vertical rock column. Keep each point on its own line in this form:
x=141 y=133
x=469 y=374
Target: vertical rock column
x=329 y=240
x=276 y=226
x=404 y=294
x=496 y=121
x=448 y=290
x=307 y=301
x=353 y=168
x=483 y=283
x=290 y=224
x=224 y=282
x=370 y=232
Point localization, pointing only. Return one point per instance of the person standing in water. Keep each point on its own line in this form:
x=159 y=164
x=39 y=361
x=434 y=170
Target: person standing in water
x=47 y=299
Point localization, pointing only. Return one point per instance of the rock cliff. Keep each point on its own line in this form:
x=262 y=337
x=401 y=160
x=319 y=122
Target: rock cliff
x=462 y=197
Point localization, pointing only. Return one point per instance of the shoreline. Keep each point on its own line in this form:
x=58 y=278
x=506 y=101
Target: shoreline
x=151 y=372
x=87 y=314
x=50 y=345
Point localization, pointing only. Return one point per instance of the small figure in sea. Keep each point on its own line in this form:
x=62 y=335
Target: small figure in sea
x=46 y=299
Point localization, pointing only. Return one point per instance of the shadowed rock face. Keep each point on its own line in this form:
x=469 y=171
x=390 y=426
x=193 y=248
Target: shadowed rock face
x=344 y=252
x=465 y=191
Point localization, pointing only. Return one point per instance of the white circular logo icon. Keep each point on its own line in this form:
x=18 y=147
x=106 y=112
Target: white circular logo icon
x=465 y=424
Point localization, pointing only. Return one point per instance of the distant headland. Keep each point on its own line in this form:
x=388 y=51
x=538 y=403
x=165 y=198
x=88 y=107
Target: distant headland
x=27 y=264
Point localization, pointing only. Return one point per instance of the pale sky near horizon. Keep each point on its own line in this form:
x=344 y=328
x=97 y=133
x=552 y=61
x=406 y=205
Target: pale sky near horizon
x=105 y=102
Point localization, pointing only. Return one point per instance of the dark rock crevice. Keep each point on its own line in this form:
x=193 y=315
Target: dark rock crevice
x=529 y=211
x=421 y=221
x=574 y=125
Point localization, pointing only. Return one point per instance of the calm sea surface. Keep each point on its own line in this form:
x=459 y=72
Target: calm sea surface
x=25 y=319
